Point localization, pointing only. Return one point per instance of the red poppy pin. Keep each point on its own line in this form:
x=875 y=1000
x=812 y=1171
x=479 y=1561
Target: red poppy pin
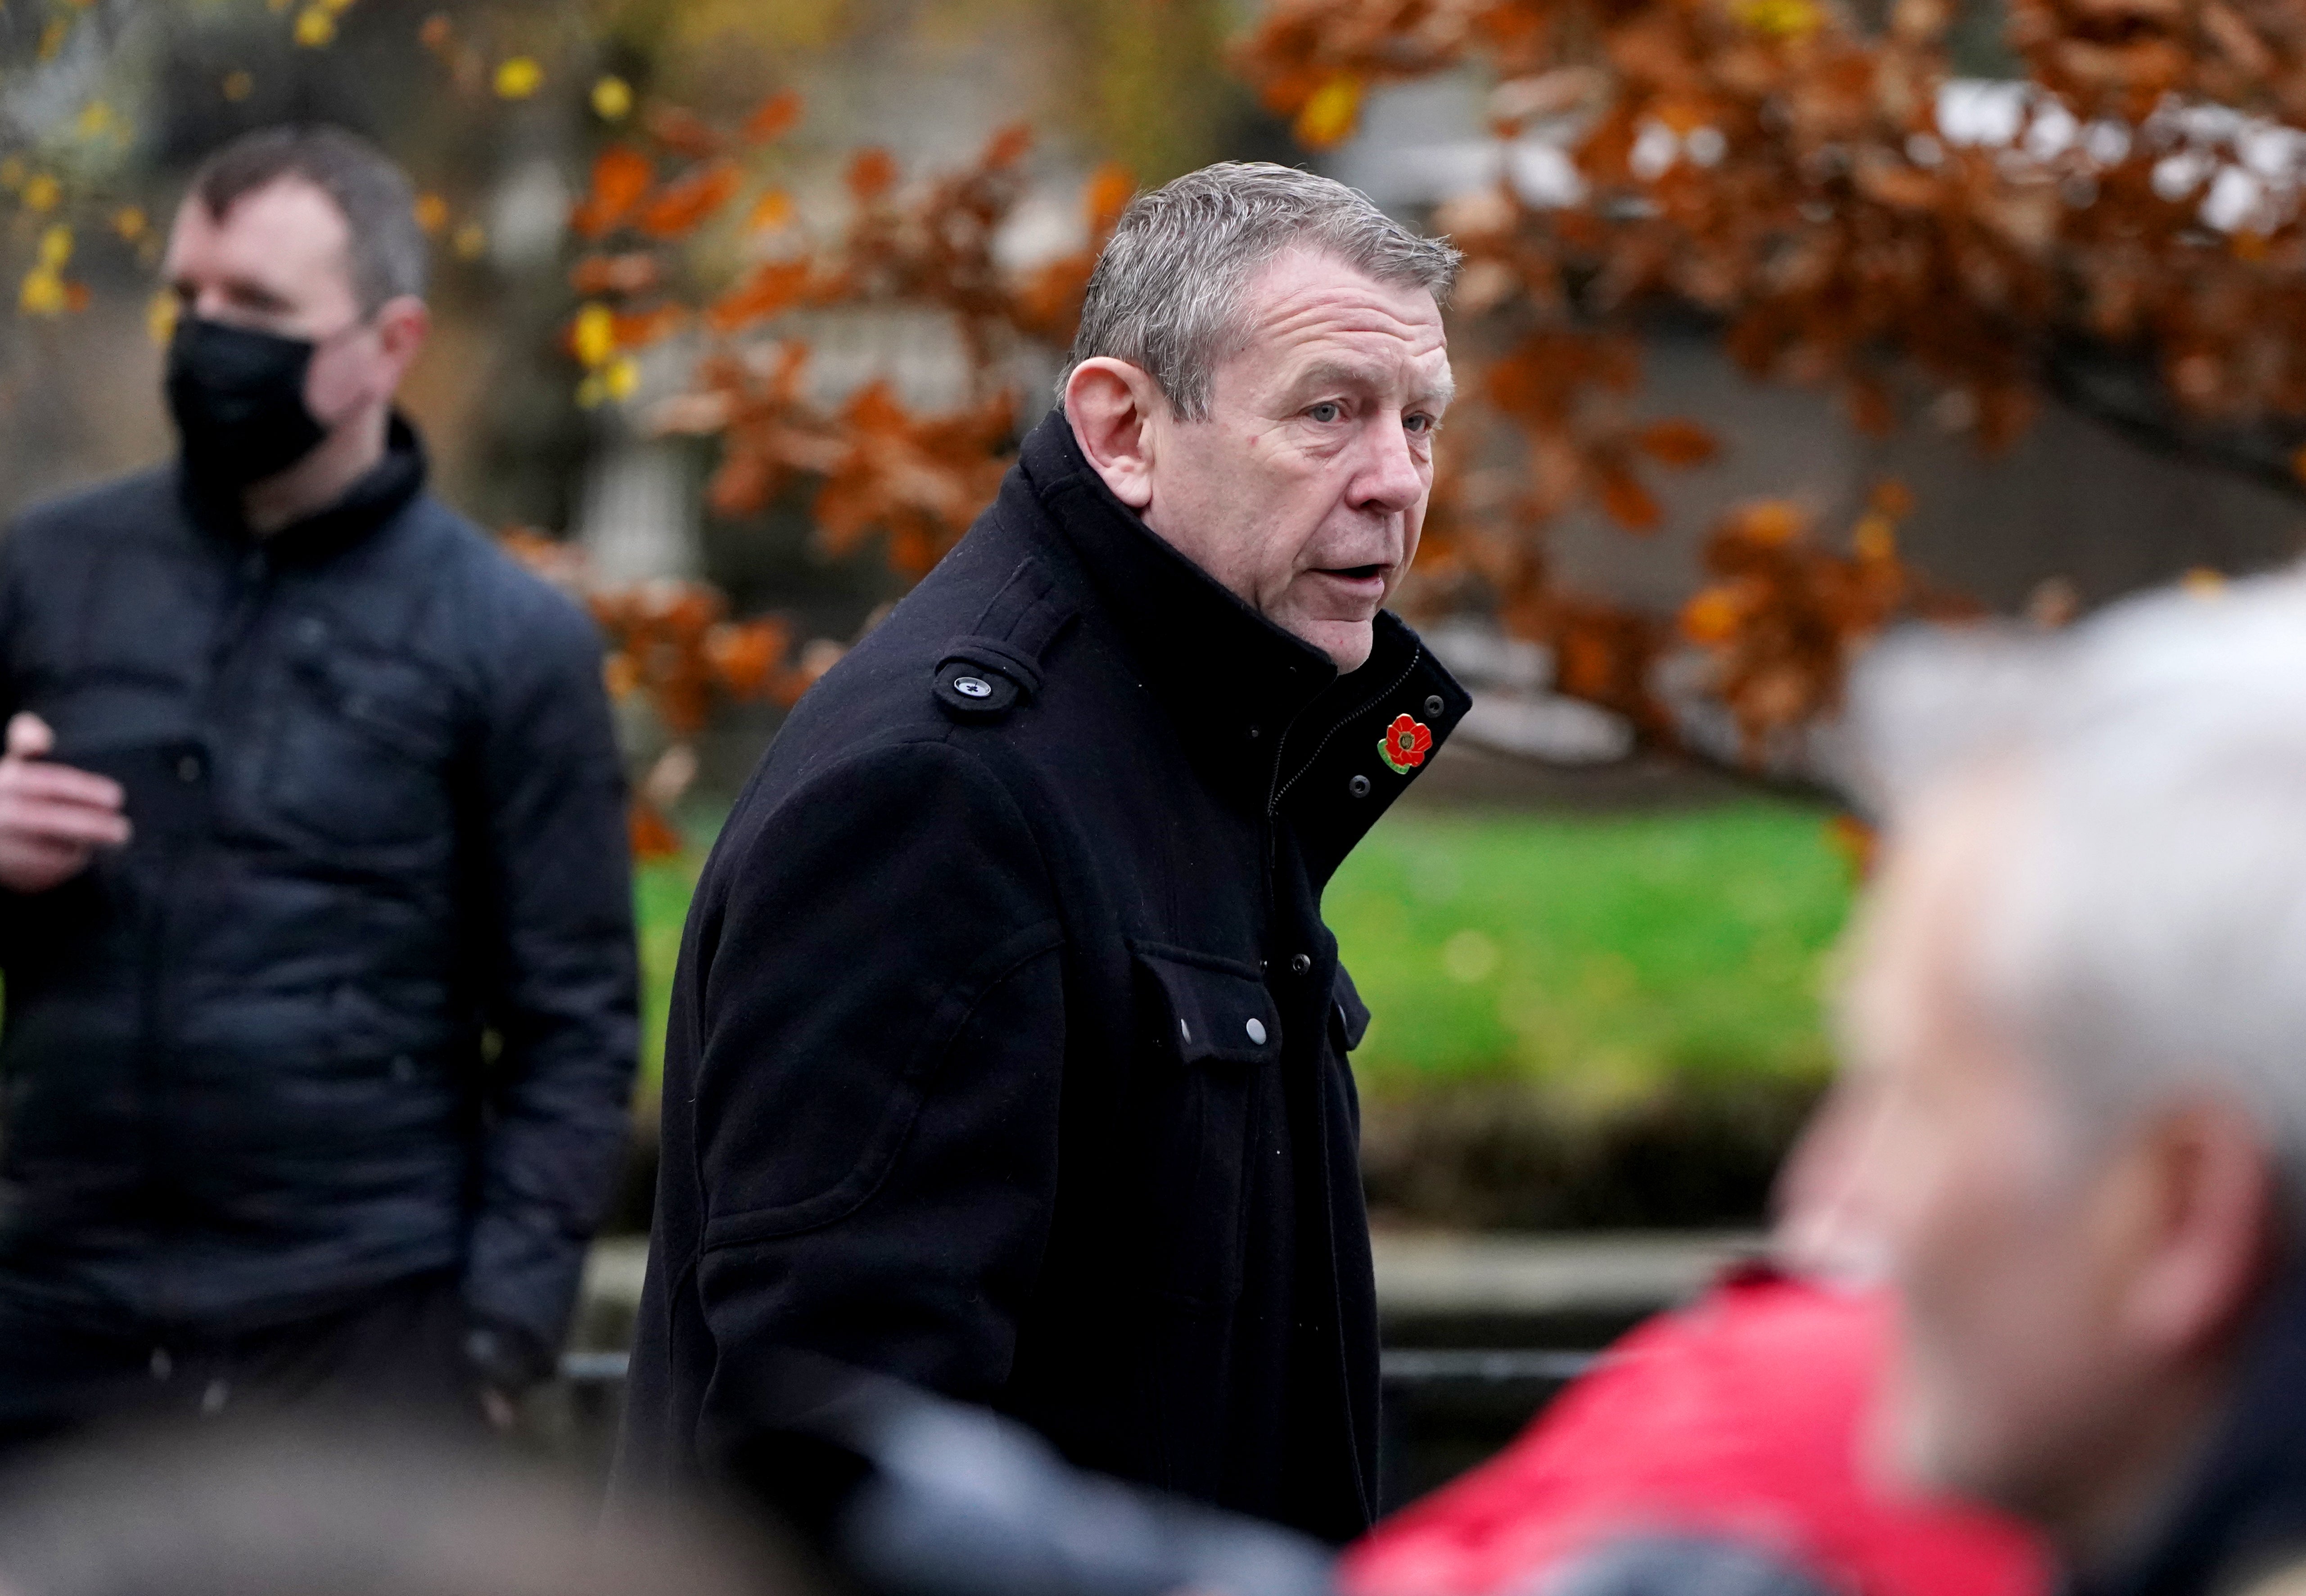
x=1405 y=745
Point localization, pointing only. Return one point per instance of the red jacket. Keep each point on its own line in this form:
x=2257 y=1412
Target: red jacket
x=1737 y=1417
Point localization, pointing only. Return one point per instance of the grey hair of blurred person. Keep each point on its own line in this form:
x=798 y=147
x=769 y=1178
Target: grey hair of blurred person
x=2143 y=935
x=1167 y=292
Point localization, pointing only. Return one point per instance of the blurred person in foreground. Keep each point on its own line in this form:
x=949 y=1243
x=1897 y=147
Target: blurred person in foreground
x=1008 y=1049
x=314 y=903
x=2073 y=1132
x=1714 y=1451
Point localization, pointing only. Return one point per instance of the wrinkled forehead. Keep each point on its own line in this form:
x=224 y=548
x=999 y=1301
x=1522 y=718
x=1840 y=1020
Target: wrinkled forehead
x=1307 y=306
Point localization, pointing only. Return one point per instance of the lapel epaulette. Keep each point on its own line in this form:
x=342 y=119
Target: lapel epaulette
x=996 y=664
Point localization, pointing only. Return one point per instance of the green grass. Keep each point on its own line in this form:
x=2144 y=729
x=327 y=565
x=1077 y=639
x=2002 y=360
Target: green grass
x=661 y=893
x=1599 y=955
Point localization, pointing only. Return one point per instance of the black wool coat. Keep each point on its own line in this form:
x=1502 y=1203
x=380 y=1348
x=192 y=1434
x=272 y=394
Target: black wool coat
x=378 y=814
x=1008 y=1050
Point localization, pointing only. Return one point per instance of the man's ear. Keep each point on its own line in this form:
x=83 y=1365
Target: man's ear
x=402 y=324
x=1113 y=405
x=2204 y=1223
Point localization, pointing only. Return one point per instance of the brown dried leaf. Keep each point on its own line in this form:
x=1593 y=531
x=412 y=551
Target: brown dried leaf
x=682 y=206
x=773 y=117
x=1677 y=443
x=621 y=175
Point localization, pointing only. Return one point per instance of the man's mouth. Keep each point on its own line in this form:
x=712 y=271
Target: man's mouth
x=1356 y=573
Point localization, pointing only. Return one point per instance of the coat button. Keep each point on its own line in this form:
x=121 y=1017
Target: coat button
x=972 y=687
x=1301 y=964
x=1186 y=1033
x=1358 y=787
x=1433 y=705
x=188 y=769
x=1257 y=1032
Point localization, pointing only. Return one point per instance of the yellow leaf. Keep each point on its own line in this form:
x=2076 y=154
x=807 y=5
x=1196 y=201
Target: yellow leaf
x=595 y=337
x=1713 y=617
x=41 y=193
x=1331 y=112
x=130 y=221
x=238 y=85
x=42 y=295
x=53 y=37
x=1875 y=539
x=612 y=99
x=2204 y=583
x=1780 y=19
x=472 y=240
x=55 y=248
x=337 y=7
x=316 y=27
x=432 y=213
x=520 y=78
x=160 y=317
x=12 y=174
x=772 y=210
x=613 y=382
x=95 y=120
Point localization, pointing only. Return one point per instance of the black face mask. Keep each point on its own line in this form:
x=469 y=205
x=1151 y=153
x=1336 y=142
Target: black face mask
x=238 y=397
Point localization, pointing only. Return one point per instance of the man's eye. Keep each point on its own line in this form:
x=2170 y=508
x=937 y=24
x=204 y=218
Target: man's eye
x=1325 y=412
x=1420 y=423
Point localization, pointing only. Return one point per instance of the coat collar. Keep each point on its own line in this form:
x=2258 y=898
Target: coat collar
x=1230 y=676
x=1261 y=710
x=2241 y=1511
x=380 y=494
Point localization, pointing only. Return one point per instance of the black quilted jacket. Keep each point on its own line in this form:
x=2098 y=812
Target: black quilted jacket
x=357 y=1002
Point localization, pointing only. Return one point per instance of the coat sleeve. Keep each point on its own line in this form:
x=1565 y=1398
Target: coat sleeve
x=554 y=887
x=876 y=1007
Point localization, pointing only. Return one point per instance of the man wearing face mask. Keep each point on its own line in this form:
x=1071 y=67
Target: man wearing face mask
x=314 y=914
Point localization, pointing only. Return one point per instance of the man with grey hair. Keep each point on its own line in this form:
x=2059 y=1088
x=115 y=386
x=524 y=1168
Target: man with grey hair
x=314 y=904
x=1007 y=1051
x=2073 y=1130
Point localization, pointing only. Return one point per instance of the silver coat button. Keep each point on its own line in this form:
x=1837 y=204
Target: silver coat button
x=1257 y=1032
x=1358 y=787
x=1433 y=705
x=972 y=687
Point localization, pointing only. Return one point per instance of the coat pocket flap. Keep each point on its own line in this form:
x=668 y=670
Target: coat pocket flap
x=1351 y=1010
x=1214 y=1009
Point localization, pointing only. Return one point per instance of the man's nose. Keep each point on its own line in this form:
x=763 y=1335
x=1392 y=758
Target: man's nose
x=1391 y=480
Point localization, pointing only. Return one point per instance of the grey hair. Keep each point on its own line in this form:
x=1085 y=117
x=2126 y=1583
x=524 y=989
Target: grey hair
x=2144 y=932
x=1166 y=292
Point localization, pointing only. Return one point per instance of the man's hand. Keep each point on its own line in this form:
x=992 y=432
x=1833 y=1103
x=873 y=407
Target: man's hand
x=53 y=818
